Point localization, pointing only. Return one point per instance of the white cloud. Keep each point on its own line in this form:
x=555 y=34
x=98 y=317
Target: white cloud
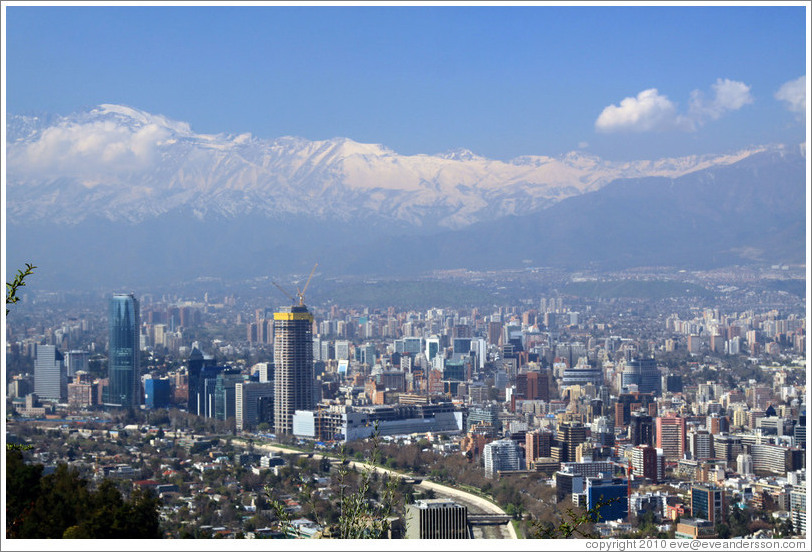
x=793 y=94
x=728 y=95
x=583 y=145
x=652 y=111
x=648 y=111
x=88 y=150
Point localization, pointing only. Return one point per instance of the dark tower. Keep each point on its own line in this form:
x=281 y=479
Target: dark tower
x=125 y=351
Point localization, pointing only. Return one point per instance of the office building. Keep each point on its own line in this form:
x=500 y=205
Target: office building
x=50 y=380
x=81 y=393
x=225 y=399
x=570 y=435
x=76 y=361
x=582 y=374
x=293 y=361
x=643 y=373
x=628 y=403
x=645 y=464
x=774 y=459
x=124 y=361
x=194 y=365
x=342 y=348
x=673 y=383
x=641 y=429
x=264 y=371
x=348 y=423
x=797 y=502
x=502 y=455
x=432 y=347
x=567 y=483
x=708 y=503
x=157 y=392
x=537 y=445
x=695 y=529
x=799 y=431
x=671 y=436
x=368 y=354
x=700 y=445
x=727 y=447
x=614 y=491
x=484 y=415
x=436 y=519
x=254 y=404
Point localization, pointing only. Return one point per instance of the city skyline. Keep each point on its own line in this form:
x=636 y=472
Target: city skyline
x=562 y=256
x=546 y=394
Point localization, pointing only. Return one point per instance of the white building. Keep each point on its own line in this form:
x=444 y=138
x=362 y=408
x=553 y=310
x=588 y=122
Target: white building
x=50 y=379
x=502 y=455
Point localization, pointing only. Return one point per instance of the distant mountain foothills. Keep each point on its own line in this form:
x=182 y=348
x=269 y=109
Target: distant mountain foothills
x=115 y=196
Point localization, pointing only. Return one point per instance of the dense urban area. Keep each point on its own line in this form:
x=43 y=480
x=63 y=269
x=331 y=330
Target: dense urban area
x=647 y=403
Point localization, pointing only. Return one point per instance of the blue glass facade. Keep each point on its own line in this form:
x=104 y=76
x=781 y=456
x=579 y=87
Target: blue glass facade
x=156 y=393
x=614 y=491
x=125 y=346
x=643 y=373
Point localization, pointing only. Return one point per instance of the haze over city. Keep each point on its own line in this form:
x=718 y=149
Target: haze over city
x=521 y=258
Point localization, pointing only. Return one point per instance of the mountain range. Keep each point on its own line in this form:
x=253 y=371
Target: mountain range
x=117 y=196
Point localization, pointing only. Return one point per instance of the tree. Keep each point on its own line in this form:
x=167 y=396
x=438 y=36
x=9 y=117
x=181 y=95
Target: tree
x=365 y=498
x=17 y=283
x=579 y=525
x=22 y=485
x=62 y=505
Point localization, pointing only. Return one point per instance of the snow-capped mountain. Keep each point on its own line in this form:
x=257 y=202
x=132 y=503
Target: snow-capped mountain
x=124 y=164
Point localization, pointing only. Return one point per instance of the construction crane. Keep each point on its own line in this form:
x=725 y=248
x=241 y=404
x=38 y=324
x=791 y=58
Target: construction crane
x=288 y=295
x=629 y=470
x=300 y=293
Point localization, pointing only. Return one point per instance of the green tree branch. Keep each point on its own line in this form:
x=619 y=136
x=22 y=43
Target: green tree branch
x=17 y=283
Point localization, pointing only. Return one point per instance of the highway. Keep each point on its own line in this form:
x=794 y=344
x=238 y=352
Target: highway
x=475 y=504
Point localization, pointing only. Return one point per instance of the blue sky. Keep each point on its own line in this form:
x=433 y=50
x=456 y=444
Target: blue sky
x=620 y=82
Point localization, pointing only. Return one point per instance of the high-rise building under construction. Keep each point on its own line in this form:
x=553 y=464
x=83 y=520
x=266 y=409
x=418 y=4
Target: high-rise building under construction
x=293 y=359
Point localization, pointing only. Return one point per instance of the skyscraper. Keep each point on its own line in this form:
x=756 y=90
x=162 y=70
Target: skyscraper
x=50 y=381
x=643 y=373
x=125 y=351
x=641 y=429
x=671 y=436
x=502 y=455
x=644 y=462
x=537 y=445
x=293 y=358
x=571 y=434
x=196 y=364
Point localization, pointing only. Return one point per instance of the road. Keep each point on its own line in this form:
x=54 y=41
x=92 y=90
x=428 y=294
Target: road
x=475 y=504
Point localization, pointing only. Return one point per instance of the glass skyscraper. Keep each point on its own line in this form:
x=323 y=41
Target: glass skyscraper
x=124 y=362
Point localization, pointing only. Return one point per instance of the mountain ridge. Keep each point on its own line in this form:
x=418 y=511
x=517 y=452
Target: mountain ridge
x=127 y=164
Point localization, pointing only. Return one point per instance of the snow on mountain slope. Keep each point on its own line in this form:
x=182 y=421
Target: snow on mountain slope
x=125 y=164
